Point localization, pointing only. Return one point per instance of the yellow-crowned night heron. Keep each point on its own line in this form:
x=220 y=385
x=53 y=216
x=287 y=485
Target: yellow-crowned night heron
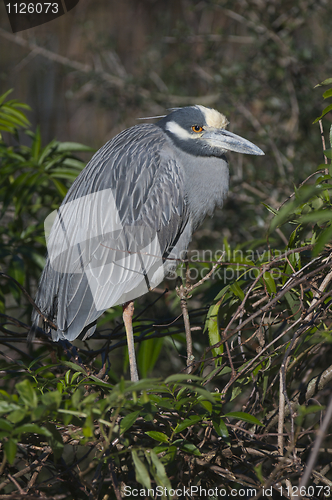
x=130 y=214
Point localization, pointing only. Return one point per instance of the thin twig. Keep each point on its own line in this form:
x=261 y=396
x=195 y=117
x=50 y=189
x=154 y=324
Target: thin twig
x=182 y=292
x=281 y=417
x=315 y=450
x=323 y=144
x=32 y=302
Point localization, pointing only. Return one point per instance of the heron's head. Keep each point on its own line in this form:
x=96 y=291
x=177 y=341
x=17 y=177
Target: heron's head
x=201 y=131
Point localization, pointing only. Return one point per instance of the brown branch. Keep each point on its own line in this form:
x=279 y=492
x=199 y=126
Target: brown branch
x=31 y=467
x=38 y=469
x=315 y=450
x=315 y=385
x=182 y=292
x=267 y=306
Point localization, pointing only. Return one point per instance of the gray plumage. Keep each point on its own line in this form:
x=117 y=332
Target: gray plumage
x=136 y=203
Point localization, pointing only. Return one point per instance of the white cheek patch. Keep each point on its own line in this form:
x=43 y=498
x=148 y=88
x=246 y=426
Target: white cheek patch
x=177 y=130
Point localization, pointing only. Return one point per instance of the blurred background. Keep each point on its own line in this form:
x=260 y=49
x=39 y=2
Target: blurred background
x=96 y=70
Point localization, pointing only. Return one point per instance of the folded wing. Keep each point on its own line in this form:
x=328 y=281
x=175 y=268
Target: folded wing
x=118 y=223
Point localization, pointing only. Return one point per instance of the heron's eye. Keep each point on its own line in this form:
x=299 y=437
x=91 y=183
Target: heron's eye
x=197 y=128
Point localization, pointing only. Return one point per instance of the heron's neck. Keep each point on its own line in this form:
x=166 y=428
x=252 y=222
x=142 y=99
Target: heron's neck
x=206 y=184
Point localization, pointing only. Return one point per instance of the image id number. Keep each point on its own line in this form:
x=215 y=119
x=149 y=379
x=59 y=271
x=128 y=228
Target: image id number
x=308 y=491
x=31 y=8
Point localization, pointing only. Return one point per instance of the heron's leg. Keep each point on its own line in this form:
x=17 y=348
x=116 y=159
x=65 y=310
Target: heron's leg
x=128 y=311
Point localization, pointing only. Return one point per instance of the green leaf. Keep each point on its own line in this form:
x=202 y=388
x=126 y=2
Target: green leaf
x=32 y=428
x=224 y=371
x=5 y=425
x=36 y=144
x=160 y=476
x=142 y=475
x=328 y=81
x=72 y=412
x=90 y=398
x=6 y=407
x=141 y=385
x=270 y=209
x=88 y=427
x=322 y=240
x=327 y=94
x=74 y=366
x=161 y=448
x=75 y=376
x=236 y=289
x=52 y=398
x=74 y=164
x=27 y=393
x=200 y=390
x=128 y=421
x=288 y=211
x=221 y=429
x=22 y=120
x=47 y=150
x=62 y=190
x=10 y=117
x=190 y=448
x=307 y=410
x=10 y=448
x=16 y=269
x=328 y=154
x=258 y=470
x=16 y=416
x=158 y=436
x=212 y=324
x=316 y=216
x=188 y=422
x=237 y=390
x=55 y=440
x=205 y=404
x=179 y=377
x=65 y=174
x=76 y=398
x=72 y=146
x=4 y=96
x=325 y=111
x=148 y=354
x=269 y=282
x=6 y=125
x=243 y=416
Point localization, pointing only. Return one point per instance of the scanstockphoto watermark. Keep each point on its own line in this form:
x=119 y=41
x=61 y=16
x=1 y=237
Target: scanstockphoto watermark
x=27 y=14
x=217 y=492
x=193 y=491
x=233 y=264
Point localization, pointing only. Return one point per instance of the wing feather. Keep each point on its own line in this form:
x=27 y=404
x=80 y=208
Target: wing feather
x=117 y=224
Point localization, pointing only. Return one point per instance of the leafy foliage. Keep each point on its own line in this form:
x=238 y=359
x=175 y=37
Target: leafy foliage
x=327 y=94
x=33 y=181
x=166 y=417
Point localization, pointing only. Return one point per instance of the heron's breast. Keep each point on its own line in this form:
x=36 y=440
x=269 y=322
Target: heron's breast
x=206 y=184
